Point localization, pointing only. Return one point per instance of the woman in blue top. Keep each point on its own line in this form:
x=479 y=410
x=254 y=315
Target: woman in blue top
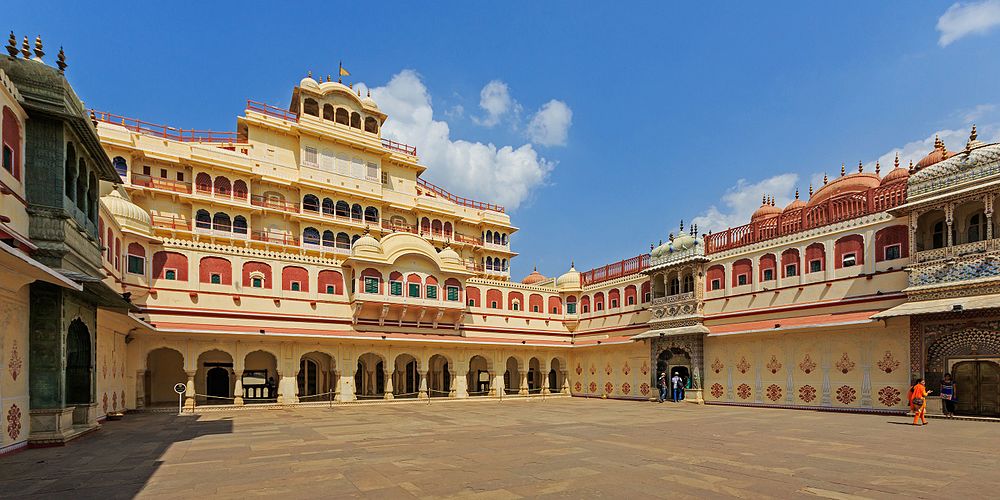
x=948 y=396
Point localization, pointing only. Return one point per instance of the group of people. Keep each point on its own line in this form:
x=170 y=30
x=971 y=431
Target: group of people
x=674 y=386
x=918 y=399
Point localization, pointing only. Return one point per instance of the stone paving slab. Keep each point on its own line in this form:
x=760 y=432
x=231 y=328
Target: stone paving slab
x=557 y=448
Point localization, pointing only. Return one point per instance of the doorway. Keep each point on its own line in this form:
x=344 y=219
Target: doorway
x=78 y=369
x=977 y=388
x=217 y=384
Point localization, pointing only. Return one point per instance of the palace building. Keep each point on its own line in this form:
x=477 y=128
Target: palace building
x=302 y=258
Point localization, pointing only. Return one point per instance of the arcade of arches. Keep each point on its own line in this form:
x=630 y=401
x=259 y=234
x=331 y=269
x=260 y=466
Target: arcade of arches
x=248 y=373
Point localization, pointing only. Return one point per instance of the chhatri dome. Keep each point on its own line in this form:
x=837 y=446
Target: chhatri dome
x=449 y=256
x=533 y=278
x=129 y=215
x=857 y=182
x=796 y=204
x=897 y=174
x=766 y=210
x=570 y=280
x=940 y=153
x=366 y=242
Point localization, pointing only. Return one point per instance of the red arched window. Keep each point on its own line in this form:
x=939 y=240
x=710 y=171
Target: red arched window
x=536 y=303
x=555 y=304
x=790 y=263
x=472 y=294
x=849 y=251
x=815 y=258
x=370 y=281
x=768 y=263
x=215 y=271
x=256 y=275
x=494 y=298
x=331 y=282
x=294 y=279
x=646 y=297
x=742 y=272
x=170 y=266
x=715 y=278
x=631 y=297
x=585 y=304
x=892 y=243
x=453 y=290
x=515 y=301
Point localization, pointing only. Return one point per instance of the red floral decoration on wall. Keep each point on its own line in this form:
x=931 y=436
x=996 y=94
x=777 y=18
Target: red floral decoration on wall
x=626 y=388
x=807 y=365
x=644 y=369
x=626 y=369
x=888 y=363
x=743 y=365
x=888 y=396
x=14 y=422
x=846 y=394
x=593 y=387
x=104 y=368
x=593 y=369
x=114 y=401
x=773 y=392
x=717 y=390
x=123 y=399
x=807 y=393
x=644 y=389
x=845 y=364
x=717 y=365
x=774 y=365
x=15 y=363
x=104 y=402
x=579 y=369
x=609 y=388
x=578 y=387
x=743 y=391
x=607 y=369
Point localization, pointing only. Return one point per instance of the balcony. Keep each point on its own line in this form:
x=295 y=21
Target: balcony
x=275 y=238
x=221 y=231
x=968 y=262
x=233 y=196
x=170 y=223
x=311 y=210
x=275 y=204
x=616 y=270
x=167 y=132
x=146 y=181
x=399 y=147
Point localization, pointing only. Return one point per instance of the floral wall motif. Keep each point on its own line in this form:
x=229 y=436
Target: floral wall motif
x=793 y=368
x=609 y=370
x=14 y=404
x=889 y=396
x=111 y=382
x=14 y=422
x=14 y=364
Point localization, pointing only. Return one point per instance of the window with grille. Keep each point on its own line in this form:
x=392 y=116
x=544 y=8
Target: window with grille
x=170 y=274
x=371 y=285
x=414 y=290
x=136 y=264
x=815 y=266
x=396 y=288
x=432 y=292
x=453 y=293
x=309 y=156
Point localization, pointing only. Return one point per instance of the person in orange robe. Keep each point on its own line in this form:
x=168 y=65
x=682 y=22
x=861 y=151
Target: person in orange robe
x=918 y=402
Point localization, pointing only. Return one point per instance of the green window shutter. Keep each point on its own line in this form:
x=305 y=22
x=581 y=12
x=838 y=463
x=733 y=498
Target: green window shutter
x=432 y=292
x=396 y=288
x=414 y=290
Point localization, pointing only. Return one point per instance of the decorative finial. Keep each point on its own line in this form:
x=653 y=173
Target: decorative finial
x=367 y=230
x=973 y=136
x=895 y=163
x=535 y=268
x=12 y=45
x=861 y=167
x=938 y=143
x=772 y=201
x=350 y=86
x=825 y=179
x=328 y=78
x=61 y=59
x=810 y=189
x=878 y=168
x=843 y=169
x=309 y=74
x=682 y=224
x=370 y=94
x=39 y=53
x=796 y=193
x=695 y=228
x=911 y=166
x=25 y=48
x=359 y=92
x=670 y=237
x=572 y=264
x=763 y=200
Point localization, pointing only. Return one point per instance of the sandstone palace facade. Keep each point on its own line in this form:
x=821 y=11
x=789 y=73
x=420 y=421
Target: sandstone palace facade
x=302 y=258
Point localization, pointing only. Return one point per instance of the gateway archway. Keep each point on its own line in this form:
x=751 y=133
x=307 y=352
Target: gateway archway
x=978 y=388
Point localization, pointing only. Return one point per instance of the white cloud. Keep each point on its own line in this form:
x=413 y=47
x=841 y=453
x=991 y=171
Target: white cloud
x=504 y=174
x=455 y=112
x=741 y=200
x=961 y=20
x=549 y=126
x=496 y=101
x=954 y=140
x=977 y=112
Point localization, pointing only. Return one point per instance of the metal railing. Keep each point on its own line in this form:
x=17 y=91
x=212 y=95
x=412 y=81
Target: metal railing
x=458 y=200
x=261 y=201
x=399 y=147
x=616 y=270
x=165 y=131
x=170 y=222
x=272 y=111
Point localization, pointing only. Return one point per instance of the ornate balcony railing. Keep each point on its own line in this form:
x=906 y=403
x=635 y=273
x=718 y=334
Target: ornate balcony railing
x=616 y=270
x=272 y=111
x=399 y=147
x=165 y=131
x=458 y=200
x=161 y=183
x=261 y=201
x=838 y=208
x=170 y=222
x=957 y=263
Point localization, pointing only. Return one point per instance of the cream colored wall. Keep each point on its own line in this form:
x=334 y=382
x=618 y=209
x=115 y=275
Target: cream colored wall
x=14 y=403
x=10 y=206
x=623 y=368
x=860 y=366
x=111 y=363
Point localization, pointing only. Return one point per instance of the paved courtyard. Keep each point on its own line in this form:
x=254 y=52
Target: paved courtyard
x=560 y=447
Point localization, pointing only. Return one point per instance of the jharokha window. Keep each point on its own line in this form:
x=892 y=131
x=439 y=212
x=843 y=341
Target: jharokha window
x=371 y=284
x=453 y=293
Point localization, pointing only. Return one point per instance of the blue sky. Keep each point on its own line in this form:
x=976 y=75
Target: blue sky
x=603 y=125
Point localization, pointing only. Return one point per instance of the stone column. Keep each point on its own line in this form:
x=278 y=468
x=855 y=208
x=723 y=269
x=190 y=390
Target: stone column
x=544 y=376
x=189 y=393
x=949 y=218
x=370 y=383
x=388 y=385
x=522 y=390
x=496 y=387
x=565 y=381
x=337 y=391
x=345 y=384
x=422 y=391
x=238 y=388
x=454 y=388
x=287 y=386
x=140 y=389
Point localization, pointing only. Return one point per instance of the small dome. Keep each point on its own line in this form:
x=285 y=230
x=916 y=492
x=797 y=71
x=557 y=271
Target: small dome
x=128 y=214
x=368 y=102
x=897 y=174
x=851 y=183
x=766 y=211
x=796 y=204
x=450 y=257
x=683 y=242
x=366 y=242
x=309 y=83
x=570 y=280
x=940 y=153
x=533 y=278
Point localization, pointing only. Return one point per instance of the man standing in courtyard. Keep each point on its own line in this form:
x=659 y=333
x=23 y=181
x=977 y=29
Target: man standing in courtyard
x=662 y=383
x=678 y=385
